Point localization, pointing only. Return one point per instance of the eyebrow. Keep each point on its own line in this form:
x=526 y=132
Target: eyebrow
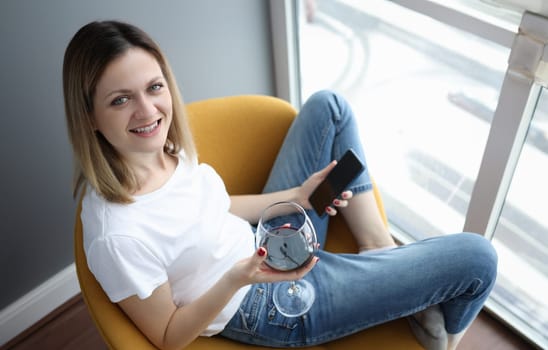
x=127 y=91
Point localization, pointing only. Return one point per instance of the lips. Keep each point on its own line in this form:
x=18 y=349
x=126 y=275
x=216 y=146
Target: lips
x=146 y=129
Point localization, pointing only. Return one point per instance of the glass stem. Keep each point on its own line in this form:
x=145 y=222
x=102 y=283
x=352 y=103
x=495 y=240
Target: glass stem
x=293 y=288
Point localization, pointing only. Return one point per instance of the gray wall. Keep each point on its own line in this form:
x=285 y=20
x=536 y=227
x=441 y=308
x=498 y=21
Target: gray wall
x=216 y=48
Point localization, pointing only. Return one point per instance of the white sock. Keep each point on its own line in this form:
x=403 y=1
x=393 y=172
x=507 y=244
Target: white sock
x=454 y=339
x=429 y=328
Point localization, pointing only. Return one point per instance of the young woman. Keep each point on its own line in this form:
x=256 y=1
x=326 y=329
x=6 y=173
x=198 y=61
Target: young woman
x=176 y=252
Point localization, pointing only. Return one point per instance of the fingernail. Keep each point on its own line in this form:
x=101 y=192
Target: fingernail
x=261 y=251
x=328 y=209
x=345 y=194
x=336 y=202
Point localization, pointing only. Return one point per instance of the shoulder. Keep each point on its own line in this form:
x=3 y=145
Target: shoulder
x=103 y=220
x=96 y=210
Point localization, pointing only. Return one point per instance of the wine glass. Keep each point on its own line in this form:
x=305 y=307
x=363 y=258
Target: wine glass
x=288 y=235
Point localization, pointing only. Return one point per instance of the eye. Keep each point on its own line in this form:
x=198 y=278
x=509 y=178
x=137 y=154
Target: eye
x=119 y=100
x=156 y=87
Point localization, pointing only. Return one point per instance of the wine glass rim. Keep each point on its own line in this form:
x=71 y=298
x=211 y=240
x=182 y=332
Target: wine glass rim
x=299 y=208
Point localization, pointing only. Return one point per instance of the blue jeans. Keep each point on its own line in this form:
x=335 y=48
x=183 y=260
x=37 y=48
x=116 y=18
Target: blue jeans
x=354 y=292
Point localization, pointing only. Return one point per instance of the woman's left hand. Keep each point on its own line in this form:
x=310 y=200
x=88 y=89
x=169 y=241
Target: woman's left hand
x=340 y=202
x=308 y=187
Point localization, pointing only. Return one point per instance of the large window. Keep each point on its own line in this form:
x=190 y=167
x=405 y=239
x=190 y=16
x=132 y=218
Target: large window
x=424 y=97
x=432 y=87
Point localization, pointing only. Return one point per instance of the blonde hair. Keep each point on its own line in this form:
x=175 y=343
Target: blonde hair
x=96 y=161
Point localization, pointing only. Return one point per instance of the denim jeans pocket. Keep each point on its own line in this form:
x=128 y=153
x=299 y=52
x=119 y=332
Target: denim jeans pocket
x=250 y=310
x=275 y=318
x=259 y=322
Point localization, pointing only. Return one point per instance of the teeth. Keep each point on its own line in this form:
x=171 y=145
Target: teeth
x=146 y=129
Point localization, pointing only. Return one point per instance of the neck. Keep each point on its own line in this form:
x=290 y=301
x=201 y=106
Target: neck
x=153 y=171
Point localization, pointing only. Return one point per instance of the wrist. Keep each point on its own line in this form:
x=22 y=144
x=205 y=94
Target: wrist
x=231 y=282
x=297 y=196
x=240 y=275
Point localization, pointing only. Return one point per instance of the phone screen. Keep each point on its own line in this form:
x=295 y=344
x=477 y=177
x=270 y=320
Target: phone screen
x=346 y=170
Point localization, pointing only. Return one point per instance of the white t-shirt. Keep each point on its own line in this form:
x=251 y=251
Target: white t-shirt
x=182 y=233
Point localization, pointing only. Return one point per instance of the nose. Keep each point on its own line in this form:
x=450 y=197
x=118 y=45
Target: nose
x=144 y=107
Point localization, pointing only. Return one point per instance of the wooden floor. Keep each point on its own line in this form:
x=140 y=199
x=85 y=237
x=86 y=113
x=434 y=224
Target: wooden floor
x=70 y=327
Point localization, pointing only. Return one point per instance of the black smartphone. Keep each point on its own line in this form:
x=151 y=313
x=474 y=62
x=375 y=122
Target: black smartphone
x=346 y=170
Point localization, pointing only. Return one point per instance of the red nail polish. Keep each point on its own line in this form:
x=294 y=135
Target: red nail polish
x=261 y=251
x=336 y=202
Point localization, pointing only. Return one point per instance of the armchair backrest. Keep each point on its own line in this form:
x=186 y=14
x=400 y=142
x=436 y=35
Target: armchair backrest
x=240 y=137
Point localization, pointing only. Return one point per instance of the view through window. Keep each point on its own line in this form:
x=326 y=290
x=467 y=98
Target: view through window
x=425 y=95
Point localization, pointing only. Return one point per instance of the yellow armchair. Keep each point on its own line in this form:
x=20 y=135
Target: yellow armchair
x=240 y=137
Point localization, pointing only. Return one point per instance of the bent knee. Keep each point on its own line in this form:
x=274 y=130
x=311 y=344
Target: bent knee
x=480 y=253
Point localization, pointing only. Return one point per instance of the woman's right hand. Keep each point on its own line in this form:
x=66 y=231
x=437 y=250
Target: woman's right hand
x=254 y=270
x=310 y=185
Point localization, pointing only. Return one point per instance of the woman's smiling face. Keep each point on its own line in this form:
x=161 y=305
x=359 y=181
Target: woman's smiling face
x=132 y=104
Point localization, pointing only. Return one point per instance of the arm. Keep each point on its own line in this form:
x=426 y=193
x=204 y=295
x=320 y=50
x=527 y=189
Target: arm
x=250 y=207
x=170 y=327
